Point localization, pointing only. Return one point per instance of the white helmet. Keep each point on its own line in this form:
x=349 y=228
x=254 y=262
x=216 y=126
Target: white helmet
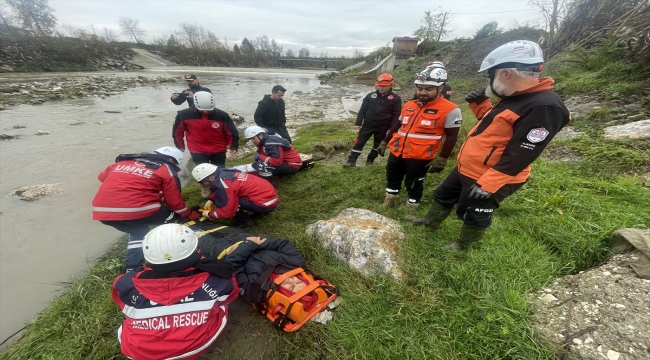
x=169 y=243
x=516 y=52
x=251 y=131
x=434 y=74
x=203 y=100
x=171 y=151
x=202 y=171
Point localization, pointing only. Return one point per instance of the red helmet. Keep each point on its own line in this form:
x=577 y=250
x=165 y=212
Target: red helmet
x=384 y=80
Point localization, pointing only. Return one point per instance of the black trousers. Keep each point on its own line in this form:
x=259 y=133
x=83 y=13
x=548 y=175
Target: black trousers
x=454 y=190
x=218 y=159
x=412 y=171
x=365 y=133
x=280 y=130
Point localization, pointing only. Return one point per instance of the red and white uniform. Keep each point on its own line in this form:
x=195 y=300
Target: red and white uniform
x=171 y=318
x=131 y=190
x=231 y=185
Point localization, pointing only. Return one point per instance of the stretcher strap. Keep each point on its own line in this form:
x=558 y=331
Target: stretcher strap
x=287 y=275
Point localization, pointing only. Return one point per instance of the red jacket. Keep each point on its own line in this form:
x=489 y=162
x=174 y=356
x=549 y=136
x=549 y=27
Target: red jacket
x=205 y=133
x=171 y=318
x=231 y=185
x=134 y=189
x=276 y=151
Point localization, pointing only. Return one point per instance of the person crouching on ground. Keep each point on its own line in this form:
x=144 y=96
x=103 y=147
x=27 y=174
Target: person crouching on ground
x=178 y=305
x=275 y=155
x=234 y=193
x=140 y=190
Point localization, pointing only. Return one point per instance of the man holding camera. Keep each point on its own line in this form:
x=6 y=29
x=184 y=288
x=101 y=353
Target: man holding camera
x=188 y=94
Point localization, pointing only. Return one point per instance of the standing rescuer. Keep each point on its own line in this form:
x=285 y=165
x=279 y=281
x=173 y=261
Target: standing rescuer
x=188 y=94
x=495 y=159
x=415 y=140
x=379 y=110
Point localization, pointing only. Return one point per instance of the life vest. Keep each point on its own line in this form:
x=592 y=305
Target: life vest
x=422 y=130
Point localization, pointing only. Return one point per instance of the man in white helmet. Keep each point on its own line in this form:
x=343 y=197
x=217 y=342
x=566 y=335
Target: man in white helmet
x=495 y=159
x=208 y=131
x=234 y=193
x=416 y=141
x=140 y=190
x=176 y=307
x=275 y=155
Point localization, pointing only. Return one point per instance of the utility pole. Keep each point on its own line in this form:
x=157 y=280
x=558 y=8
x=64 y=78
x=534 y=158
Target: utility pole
x=226 y=41
x=552 y=26
x=93 y=27
x=442 y=26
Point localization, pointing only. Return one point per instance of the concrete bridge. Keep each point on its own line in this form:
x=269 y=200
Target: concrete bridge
x=323 y=61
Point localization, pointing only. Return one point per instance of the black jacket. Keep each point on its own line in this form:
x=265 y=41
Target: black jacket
x=270 y=112
x=379 y=111
x=246 y=260
x=182 y=96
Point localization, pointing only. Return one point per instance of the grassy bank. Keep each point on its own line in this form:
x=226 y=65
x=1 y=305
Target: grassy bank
x=450 y=306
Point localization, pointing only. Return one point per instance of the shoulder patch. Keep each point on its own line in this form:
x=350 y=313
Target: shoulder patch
x=537 y=135
x=374 y=95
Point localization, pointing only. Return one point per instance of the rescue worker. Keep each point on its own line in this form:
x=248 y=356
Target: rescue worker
x=233 y=192
x=208 y=130
x=417 y=138
x=379 y=111
x=495 y=159
x=188 y=94
x=141 y=190
x=275 y=155
x=176 y=307
x=270 y=113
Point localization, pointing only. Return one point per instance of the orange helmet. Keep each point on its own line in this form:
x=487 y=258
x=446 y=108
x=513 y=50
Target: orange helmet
x=384 y=80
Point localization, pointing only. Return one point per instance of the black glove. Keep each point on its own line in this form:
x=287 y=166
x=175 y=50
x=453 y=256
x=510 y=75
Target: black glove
x=476 y=97
x=195 y=208
x=479 y=194
x=437 y=165
x=381 y=149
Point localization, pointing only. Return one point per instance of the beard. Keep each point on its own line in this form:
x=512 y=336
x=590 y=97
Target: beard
x=499 y=87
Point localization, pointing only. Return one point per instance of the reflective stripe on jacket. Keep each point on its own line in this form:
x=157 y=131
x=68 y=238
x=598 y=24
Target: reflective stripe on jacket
x=422 y=129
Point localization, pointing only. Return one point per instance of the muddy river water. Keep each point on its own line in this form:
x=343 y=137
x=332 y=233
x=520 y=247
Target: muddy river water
x=45 y=242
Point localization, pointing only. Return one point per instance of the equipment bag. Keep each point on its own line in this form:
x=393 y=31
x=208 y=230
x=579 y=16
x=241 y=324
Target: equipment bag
x=307 y=162
x=287 y=313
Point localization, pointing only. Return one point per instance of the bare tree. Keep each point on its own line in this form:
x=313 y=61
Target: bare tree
x=303 y=53
x=109 y=35
x=131 y=28
x=34 y=15
x=433 y=26
x=262 y=44
x=5 y=14
x=554 y=12
x=357 y=54
x=289 y=53
x=276 y=48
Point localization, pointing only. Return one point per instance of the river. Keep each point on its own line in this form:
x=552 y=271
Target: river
x=45 y=242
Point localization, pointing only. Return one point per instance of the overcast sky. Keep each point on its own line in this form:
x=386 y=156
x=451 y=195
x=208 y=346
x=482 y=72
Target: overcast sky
x=336 y=27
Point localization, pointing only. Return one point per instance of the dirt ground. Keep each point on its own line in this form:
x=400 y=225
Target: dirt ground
x=608 y=312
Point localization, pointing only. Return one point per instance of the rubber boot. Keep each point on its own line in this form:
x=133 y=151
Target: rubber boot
x=352 y=162
x=468 y=236
x=271 y=179
x=411 y=205
x=434 y=217
x=389 y=200
x=370 y=161
x=205 y=191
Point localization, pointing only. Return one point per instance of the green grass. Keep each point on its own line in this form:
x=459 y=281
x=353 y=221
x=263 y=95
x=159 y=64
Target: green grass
x=471 y=305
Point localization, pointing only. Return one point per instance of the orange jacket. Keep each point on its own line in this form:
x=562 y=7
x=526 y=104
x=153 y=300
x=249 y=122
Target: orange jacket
x=422 y=129
x=511 y=135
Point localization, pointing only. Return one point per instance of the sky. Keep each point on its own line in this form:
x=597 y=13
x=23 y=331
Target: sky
x=335 y=27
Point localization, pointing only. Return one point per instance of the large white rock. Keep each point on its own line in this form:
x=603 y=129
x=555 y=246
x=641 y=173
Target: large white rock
x=367 y=241
x=634 y=130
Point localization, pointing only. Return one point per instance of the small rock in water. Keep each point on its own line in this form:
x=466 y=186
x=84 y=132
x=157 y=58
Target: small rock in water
x=31 y=193
x=112 y=112
x=19 y=127
x=6 y=137
x=78 y=123
x=41 y=132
